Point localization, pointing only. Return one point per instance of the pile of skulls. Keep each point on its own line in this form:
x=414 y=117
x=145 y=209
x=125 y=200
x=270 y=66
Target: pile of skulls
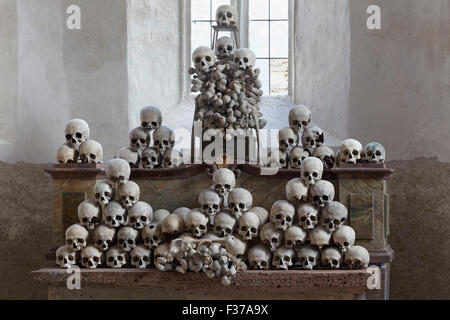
x=78 y=148
x=301 y=140
x=141 y=151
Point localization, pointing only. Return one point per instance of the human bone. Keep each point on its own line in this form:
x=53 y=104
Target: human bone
x=203 y=58
x=104 y=237
x=140 y=215
x=127 y=238
x=103 y=192
x=294 y=236
x=129 y=155
x=277 y=159
x=227 y=15
x=271 y=236
x=287 y=139
x=299 y=118
x=210 y=204
x=66 y=154
x=312 y=137
x=331 y=257
x=159 y=215
x=311 y=170
x=334 y=216
x=173 y=224
x=296 y=157
x=319 y=237
x=350 y=151
x=245 y=59
x=262 y=214
x=357 y=257
x=259 y=257
x=151 y=118
x=163 y=139
x=374 y=152
x=65 y=257
x=77 y=131
x=249 y=224
x=282 y=214
x=327 y=156
x=162 y=258
x=224 y=224
x=197 y=222
x=224 y=181
x=116 y=258
x=117 y=171
x=114 y=215
x=224 y=47
x=172 y=158
x=236 y=246
x=307 y=216
x=89 y=214
x=139 y=139
x=283 y=258
x=91 y=257
x=76 y=237
x=151 y=158
x=152 y=236
x=296 y=190
x=140 y=256
x=308 y=257
x=129 y=194
x=240 y=200
x=322 y=193
x=344 y=238
x=90 y=151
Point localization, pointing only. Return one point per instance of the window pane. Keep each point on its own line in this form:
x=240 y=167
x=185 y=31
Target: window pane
x=279 y=9
x=259 y=9
x=263 y=65
x=200 y=34
x=279 y=42
x=279 y=76
x=259 y=38
x=216 y=4
x=200 y=9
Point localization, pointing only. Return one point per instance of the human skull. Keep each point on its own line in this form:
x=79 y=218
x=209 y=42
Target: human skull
x=308 y=257
x=77 y=131
x=227 y=15
x=296 y=157
x=129 y=155
x=140 y=215
x=287 y=139
x=139 y=139
x=271 y=236
x=89 y=214
x=334 y=216
x=326 y=155
x=249 y=224
x=262 y=214
x=374 y=153
x=236 y=246
x=129 y=194
x=172 y=158
x=244 y=59
x=151 y=158
x=91 y=152
x=197 y=222
x=277 y=159
x=294 y=237
x=117 y=171
x=140 y=256
x=344 y=238
x=210 y=203
x=173 y=224
x=224 y=47
x=152 y=236
x=203 y=58
x=312 y=137
x=162 y=258
x=322 y=193
x=224 y=224
x=259 y=257
x=116 y=258
x=319 y=237
x=283 y=258
x=240 y=200
x=307 y=216
x=331 y=257
x=159 y=215
x=296 y=190
x=127 y=238
x=66 y=257
x=282 y=214
x=91 y=257
x=299 y=118
x=357 y=257
x=103 y=192
x=163 y=139
x=66 y=154
x=114 y=215
x=224 y=181
x=311 y=170
x=350 y=151
x=151 y=118
x=104 y=237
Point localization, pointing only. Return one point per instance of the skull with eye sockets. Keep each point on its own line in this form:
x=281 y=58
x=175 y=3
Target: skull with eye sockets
x=140 y=215
x=114 y=215
x=77 y=131
x=299 y=118
x=151 y=158
x=91 y=257
x=90 y=151
x=76 y=237
x=326 y=155
x=227 y=15
x=334 y=216
x=287 y=139
x=224 y=47
x=322 y=193
x=139 y=139
x=163 y=139
x=350 y=151
x=66 y=257
x=89 y=214
x=66 y=154
x=127 y=238
x=311 y=170
x=282 y=214
x=116 y=258
x=271 y=236
x=203 y=58
x=224 y=224
x=151 y=118
x=224 y=181
x=296 y=157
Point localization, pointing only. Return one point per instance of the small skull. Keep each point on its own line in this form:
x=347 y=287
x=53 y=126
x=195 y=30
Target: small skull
x=203 y=58
x=374 y=153
x=312 y=137
x=283 y=258
x=282 y=214
x=77 y=131
x=129 y=194
x=66 y=257
x=224 y=181
x=350 y=151
x=240 y=200
x=311 y=170
x=319 y=237
x=271 y=236
x=103 y=193
x=172 y=158
x=307 y=216
x=227 y=15
x=151 y=118
x=91 y=152
x=344 y=238
x=197 y=222
x=152 y=236
x=331 y=258
x=224 y=47
x=140 y=215
x=129 y=155
x=245 y=59
x=139 y=139
x=322 y=193
x=151 y=158
x=66 y=154
x=117 y=171
x=308 y=257
x=224 y=224
x=91 y=257
x=296 y=157
x=163 y=139
x=259 y=257
x=357 y=257
x=249 y=224
x=89 y=214
x=114 y=215
x=140 y=257
x=76 y=237
x=127 y=238
x=326 y=155
x=210 y=203
x=299 y=118
x=104 y=237
x=294 y=237
x=116 y=258
x=287 y=139
x=296 y=190
x=334 y=216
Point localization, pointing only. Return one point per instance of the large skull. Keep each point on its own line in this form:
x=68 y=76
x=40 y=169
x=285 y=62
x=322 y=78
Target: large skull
x=172 y=158
x=312 y=137
x=91 y=152
x=116 y=258
x=203 y=58
x=224 y=224
x=307 y=216
x=151 y=118
x=299 y=118
x=151 y=158
x=89 y=214
x=227 y=15
x=129 y=194
x=357 y=257
x=287 y=139
x=244 y=59
x=259 y=257
x=249 y=224
x=114 y=215
x=173 y=224
x=296 y=190
x=152 y=236
x=224 y=181
x=326 y=155
x=197 y=222
x=311 y=170
x=308 y=257
x=271 y=236
x=210 y=203
x=277 y=159
x=282 y=214
x=344 y=238
x=240 y=200
x=322 y=193
x=103 y=192
x=65 y=257
x=334 y=216
x=129 y=155
x=283 y=258
x=224 y=47
x=331 y=258
x=117 y=171
x=139 y=139
x=296 y=157
x=66 y=154
x=127 y=238
x=374 y=153
x=163 y=139
x=319 y=237
x=91 y=257
x=77 y=131
x=294 y=237
x=140 y=215
x=104 y=237
x=140 y=256
x=350 y=151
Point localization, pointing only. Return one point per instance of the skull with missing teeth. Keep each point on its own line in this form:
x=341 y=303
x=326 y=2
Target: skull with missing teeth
x=308 y=257
x=357 y=257
x=117 y=171
x=224 y=224
x=151 y=158
x=244 y=59
x=259 y=257
x=197 y=222
x=140 y=215
x=130 y=155
x=331 y=258
x=287 y=139
x=227 y=15
x=350 y=151
x=77 y=131
x=322 y=193
x=65 y=257
x=296 y=157
x=140 y=256
x=307 y=216
x=294 y=237
x=129 y=194
x=116 y=258
x=210 y=202
x=240 y=200
x=66 y=154
x=104 y=237
x=312 y=137
x=91 y=151
x=374 y=153
x=151 y=118
x=327 y=156
x=224 y=181
x=89 y=214
x=296 y=190
x=311 y=170
x=172 y=158
x=299 y=118
x=152 y=235
x=344 y=238
x=163 y=139
x=271 y=236
x=139 y=139
x=334 y=216
x=91 y=257
x=283 y=258
x=224 y=47
x=114 y=215
x=249 y=224
x=127 y=238
x=282 y=214
x=203 y=58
